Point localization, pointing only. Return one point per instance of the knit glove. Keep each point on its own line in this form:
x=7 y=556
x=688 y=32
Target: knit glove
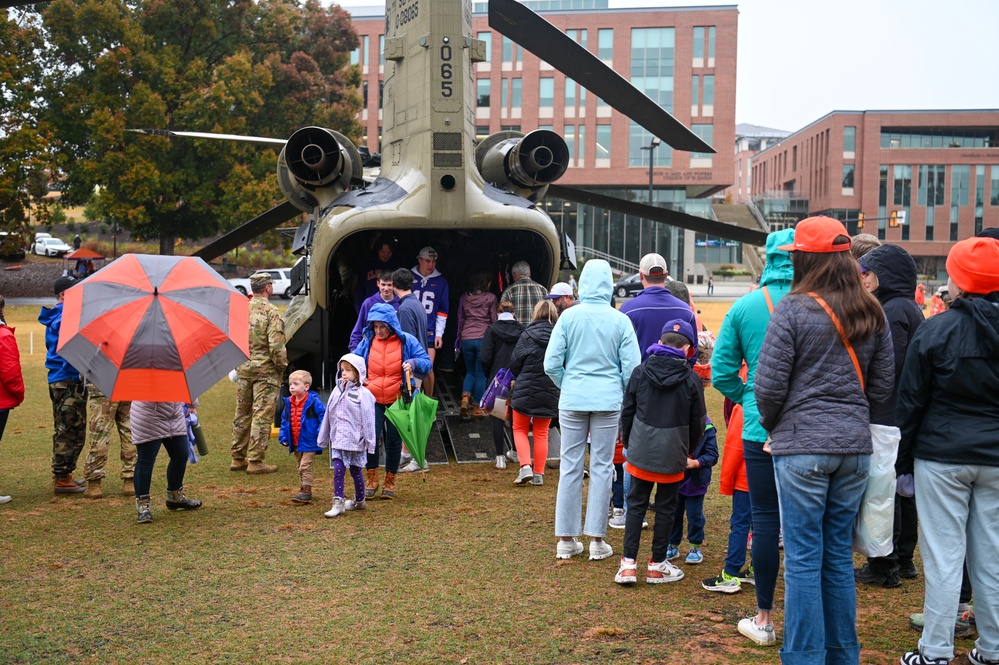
x=905 y=485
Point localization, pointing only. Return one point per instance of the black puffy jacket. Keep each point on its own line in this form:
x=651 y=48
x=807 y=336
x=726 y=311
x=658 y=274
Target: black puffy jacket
x=497 y=346
x=534 y=394
x=896 y=273
x=948 y=394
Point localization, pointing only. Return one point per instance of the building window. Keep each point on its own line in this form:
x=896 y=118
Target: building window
x=511 y=51
x=995 y=186
x=580 y=144
x=652 y=60
x=698 y=46
x=704 y=46
x=638 y=138
x=504 y=93
x=960 y=181
x=364 y=94
x=882 y=201
x=481 y=134
x=482 y=87
x=355 y=56
x=706 y=134
x=848 y=179
x=570 y=94
x=903 y=186
x=487 y=37
x=516 y=92
x=923 y=137
x=709 y=95
x=695 y=103
x=578 y=36
x=602 y=148
x=979 y=198
x=569 y=134
x=381 y=50
x=605 y=44
x=546 y=92
x=930 y=191
x=849 y=140
x=365 y=45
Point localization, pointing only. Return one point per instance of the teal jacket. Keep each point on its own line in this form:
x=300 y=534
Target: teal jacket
x=593 y=349
x=742 y=332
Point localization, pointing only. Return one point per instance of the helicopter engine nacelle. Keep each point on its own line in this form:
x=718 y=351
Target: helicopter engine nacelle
x=524 y=164
x=317 y=158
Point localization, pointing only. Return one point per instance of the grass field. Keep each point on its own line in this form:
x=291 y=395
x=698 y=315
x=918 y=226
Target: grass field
x=458 y=569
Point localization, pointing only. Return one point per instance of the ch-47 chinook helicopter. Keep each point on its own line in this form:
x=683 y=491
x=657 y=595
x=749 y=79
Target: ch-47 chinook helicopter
x=474 y=203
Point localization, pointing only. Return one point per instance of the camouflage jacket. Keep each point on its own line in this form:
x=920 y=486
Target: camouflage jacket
x=268 y=356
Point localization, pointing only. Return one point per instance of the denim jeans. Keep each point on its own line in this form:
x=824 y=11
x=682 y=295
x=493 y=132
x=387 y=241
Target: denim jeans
x=475 y=378
x=819 y=499
x=693 y=506
x=602 y=428
x=176 y=447
x=957 y=506
x=766 y=521
x=738 y=531
x=393 y=442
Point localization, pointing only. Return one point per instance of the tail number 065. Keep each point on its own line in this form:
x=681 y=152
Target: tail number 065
x=447 y=71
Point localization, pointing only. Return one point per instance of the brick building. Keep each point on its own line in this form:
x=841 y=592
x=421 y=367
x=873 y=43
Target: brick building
x=941 y=168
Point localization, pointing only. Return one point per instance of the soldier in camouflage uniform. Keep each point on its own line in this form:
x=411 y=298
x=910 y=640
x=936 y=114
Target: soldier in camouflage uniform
x=68 y=400
x=102 y=416
x=259 y=381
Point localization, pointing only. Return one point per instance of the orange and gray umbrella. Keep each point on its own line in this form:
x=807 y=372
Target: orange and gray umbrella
x=154 y=328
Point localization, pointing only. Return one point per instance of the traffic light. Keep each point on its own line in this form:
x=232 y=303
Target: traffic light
x=893 y=219
x=860 y=221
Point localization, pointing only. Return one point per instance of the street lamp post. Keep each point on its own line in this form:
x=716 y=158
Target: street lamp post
x=652 y=160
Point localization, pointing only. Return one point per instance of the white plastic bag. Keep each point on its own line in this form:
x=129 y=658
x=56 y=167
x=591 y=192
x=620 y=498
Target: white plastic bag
x=872 y=531
x=499 y=408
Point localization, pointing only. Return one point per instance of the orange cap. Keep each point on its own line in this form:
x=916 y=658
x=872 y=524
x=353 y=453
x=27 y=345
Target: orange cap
x=973 y=264
x=817 y=234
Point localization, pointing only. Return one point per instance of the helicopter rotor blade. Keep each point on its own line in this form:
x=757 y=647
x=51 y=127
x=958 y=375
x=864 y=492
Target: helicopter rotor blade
x=274 y=217
x=255 y=140
x=523 y=26
x=661 y=215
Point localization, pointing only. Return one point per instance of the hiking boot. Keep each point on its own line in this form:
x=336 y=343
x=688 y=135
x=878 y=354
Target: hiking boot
x=145 y=514
x=600 y=550
x=304 y=495
x=694 y=556
x=867 y=575
x=238 y=465
x=975 y=657
x=747 y=576
x=478 y=413
x=66 y=485
x=566 y=549
x=662 y=572
x=672 y=552
x=724 y=583
x=907 y=570
x=128 y=487
x=388 y=489
x=628 y=572
x=94 y=490
x=465 y=408
x=762 y=635
x=371 y=483
x=350 y=504
x=618 y=519
x=538 y=479
x=916 y=658
x=177 y=500
x=339 y=507
x=524 y=475
x=962 y=625
x=259 y=468
x=500 y=462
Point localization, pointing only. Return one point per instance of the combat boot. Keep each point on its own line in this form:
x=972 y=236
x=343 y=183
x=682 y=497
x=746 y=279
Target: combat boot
x=304 y=495
x=128 y=487
x=66 y=485
x=388 y=489
x=371 y=483
x=145 y=513
x=94 y=490
x=238 y=465
x=257 y=468
x=177 y=500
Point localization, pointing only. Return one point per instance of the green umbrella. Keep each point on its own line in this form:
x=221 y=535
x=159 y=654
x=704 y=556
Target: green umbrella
x=414 y=419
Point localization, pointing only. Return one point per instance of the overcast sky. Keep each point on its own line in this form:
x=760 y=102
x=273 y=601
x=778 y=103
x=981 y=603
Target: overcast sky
x=801 y=59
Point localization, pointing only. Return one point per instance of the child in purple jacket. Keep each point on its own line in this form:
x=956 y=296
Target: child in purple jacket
x=691 y=498
x=348 y=429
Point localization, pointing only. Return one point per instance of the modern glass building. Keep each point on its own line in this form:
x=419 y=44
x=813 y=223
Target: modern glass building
x=682 y=57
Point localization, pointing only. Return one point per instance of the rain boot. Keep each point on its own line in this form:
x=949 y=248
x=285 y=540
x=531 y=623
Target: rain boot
x=66 y=485
x=466 y=406
x=388 y=489
x=259 y=467
x=93 y=490
x=177 y=500
x=145 y=514
x=337 y=509
x=371 y=483
x=128 y=487
x=304 y=495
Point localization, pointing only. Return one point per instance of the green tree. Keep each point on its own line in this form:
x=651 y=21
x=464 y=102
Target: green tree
x=235 y=67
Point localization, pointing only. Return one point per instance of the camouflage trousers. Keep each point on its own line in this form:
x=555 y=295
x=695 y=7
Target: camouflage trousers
x=102 y=417
x=256 y=400
x=69 y=408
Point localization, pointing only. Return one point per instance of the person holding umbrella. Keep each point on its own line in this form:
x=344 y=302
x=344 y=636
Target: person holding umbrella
x=156 y=424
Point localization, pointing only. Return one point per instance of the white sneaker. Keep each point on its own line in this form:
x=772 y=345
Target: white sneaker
x=600 y=550
x=5 y=499
x=659 y=573
x=500 y=462
x=538 y=479
x=566 y=549
x=762 y=635
x=512 y=455
x=627 y=573
x=337 y=509
x=413 y=467
x=350 y=504
x=526 y=474
x=618 y=519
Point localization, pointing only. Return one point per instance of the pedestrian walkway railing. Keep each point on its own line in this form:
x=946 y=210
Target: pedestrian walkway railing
x=616 y=262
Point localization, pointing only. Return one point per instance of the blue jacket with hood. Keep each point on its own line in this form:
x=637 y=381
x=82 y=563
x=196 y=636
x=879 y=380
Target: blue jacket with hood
x=413 y=350
x=742 y=332
x=59 y=369
x=593 y=349
x=308 y=434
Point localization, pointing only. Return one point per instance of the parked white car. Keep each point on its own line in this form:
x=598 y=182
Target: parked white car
x=51 y=247
x=280 y=276
x=40 y=234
